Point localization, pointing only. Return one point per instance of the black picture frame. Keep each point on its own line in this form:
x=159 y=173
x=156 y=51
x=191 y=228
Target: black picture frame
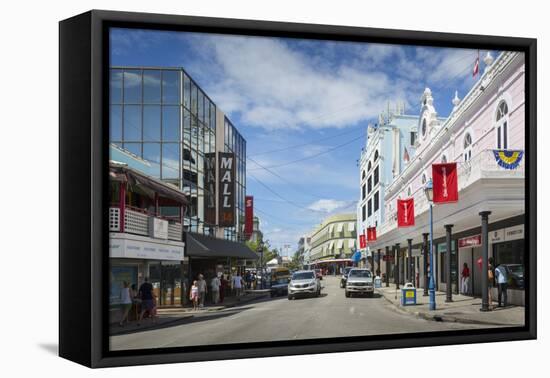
x=83 y=158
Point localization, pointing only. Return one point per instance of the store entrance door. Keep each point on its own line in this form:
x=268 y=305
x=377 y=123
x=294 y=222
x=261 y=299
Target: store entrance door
x=170 y=283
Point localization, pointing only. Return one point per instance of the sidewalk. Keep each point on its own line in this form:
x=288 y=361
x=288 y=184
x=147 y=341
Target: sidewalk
x=463 y=309
x=169 y=315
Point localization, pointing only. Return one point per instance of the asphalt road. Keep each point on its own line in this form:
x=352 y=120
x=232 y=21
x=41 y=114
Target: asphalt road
x=330 y=315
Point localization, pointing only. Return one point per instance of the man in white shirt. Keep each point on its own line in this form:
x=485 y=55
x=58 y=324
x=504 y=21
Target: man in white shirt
x=237 y=284
x=215 y=287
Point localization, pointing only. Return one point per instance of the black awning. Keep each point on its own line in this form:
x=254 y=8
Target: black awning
x=198 y=245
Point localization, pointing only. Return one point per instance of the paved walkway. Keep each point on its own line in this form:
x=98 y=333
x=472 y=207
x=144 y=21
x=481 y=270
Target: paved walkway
x=168 y=315
x=463 y=309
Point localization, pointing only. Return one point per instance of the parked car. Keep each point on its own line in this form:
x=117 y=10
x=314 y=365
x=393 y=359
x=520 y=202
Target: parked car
x=319 y=274
x=344 y=277
x=279 y=287
x=359 y=281
x=304 y=283
x=515 y=275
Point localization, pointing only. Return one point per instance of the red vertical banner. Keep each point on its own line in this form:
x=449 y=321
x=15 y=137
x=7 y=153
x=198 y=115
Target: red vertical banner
x=371 y=234
x=445 y=182
x=362 y=241
x=405 y=212
x=248 y=216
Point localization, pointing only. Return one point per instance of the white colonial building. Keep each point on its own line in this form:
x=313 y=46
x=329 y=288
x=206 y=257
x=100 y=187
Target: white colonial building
x=491 y=117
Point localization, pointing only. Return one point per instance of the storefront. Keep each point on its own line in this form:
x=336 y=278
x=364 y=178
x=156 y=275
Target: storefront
x=135 y=257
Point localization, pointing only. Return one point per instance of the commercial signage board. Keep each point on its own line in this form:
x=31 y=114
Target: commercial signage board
x=226 y=185
x=496 y=236
x=470 y=242
x=137 y=248
x=514 y=233
x=248 y=216
x=210 y=188
x=158 y=228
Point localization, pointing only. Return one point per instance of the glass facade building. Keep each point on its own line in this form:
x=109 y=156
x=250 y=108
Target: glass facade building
x=162 y=116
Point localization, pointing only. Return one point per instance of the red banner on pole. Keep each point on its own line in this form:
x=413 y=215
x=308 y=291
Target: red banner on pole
x=362 y=241
x=371 y=233
x=445 y=182
x=248 y=216
x=405 y=212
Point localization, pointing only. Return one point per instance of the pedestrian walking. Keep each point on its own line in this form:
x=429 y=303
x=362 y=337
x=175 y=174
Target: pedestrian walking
x=465 y=284
x=237 y=284
x=126 y=296
x=202 y=290
x=490 y=281
x=223 y=287
x=194 y=295
x=215 y=288
x=147 y=300
x=501 y=276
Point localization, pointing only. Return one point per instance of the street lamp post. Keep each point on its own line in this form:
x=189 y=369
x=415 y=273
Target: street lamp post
x=429 y=191
x=261 y=250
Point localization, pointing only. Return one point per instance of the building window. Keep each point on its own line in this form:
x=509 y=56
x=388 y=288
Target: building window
x=363 y=213
x=375 y=155
x=376 y=176
x=363 y=191
x=369 y=184
x=376 y=201
x=424 y=127
x=409 y=192
x=369 y=205
x=363 y=175
x=423 y=178
x=369 y=166
x=467 y=147
x=502 y=126
x=413 y=138
x=444 y=159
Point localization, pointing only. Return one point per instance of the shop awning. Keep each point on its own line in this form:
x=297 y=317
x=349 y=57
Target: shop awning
x=198 y=245
x=340 y=227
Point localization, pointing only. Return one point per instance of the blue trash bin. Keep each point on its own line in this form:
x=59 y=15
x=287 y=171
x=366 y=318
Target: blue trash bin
x=408 y=295
x=377 y=282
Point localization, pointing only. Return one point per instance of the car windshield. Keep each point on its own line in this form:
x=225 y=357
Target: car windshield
x=346 y=270
x=517 y=269
x=359 y=273
x=303 y=276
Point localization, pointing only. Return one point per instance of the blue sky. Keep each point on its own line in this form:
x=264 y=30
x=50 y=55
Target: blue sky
x=315 y=95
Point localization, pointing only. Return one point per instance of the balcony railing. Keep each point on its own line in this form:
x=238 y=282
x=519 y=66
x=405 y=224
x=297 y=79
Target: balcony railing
x=481 y=166
x=137 y=222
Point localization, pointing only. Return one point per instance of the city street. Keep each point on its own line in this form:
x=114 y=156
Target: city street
x=331 y=315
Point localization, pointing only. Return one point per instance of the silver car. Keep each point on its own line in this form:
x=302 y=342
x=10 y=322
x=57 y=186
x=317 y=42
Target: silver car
x=359 y=282
x=304 y=283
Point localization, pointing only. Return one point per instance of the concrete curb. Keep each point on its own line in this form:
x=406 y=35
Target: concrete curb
x=442 y=317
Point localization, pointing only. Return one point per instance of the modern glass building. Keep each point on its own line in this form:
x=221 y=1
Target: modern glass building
x=162 y=116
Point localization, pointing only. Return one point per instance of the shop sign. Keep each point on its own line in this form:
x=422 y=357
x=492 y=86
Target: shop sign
x=210 y=186
x=139 y=249
x=496 y=236
x=442 y=247
x=226 y=169
x=470 y=242
x=158 y=228
x=248 y=216
x=514 y=233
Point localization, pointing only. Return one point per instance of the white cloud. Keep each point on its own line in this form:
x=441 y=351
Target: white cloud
x=329 y=205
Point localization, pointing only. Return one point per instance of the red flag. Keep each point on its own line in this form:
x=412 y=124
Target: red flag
x=475 y=71
x=445 y=182
x=371 y=233
x=362 y=241
x=248 y=216
x=405 y=212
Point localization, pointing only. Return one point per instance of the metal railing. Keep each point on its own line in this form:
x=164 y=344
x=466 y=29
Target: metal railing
x=136 y=221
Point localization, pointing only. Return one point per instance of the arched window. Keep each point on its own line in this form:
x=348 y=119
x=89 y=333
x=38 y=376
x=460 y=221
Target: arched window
x=409 y=191
x=444 y=158
x=369 y=166
x=363 y=175
x=423 y=178
x=502 y=126
x=424 y=127
x=467 y=147
x=375 y=155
